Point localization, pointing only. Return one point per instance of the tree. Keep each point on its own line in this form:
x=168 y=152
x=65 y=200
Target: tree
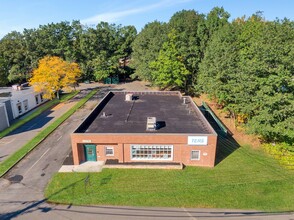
x=273 y=112
x=187 y=24
x=146 y=48
x=104 y=66
x=216 y=19
x=169 y=70
x=126 y=37
x=3 y=72
x=218 y=69
x=54 y=74
x=13 y=51
x=248 y=68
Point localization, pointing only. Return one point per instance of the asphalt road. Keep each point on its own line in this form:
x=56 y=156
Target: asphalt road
x=23 y=186
x=20 y=136
x=21 y=190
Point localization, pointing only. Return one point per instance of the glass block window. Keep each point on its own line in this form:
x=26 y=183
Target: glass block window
x=151 y=152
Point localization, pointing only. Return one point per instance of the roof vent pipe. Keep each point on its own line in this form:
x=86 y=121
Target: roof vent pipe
x=129 y=97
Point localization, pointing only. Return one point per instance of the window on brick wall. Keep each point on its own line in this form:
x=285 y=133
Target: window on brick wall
x=109 y=151
x=195 y=155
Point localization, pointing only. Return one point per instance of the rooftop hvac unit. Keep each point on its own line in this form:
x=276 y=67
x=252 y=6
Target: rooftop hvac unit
x=151 y=124
x=129 y=97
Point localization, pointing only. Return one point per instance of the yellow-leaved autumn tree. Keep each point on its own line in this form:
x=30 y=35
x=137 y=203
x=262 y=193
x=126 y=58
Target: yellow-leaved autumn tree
x=54 y=74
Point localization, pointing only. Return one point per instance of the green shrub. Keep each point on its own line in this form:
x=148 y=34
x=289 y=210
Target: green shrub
x=283 y=152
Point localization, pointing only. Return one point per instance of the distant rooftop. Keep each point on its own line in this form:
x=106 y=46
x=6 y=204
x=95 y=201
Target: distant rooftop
x=9 y=92
x=115 y=115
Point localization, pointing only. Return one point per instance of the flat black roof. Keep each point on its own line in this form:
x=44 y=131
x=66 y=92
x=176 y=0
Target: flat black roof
x=115 y=115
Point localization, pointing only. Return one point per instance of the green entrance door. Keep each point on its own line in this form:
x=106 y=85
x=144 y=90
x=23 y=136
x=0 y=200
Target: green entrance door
x=90 y=152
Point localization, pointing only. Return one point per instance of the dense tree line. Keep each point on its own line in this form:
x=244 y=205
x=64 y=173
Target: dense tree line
x=246 y=65
x=96 y=49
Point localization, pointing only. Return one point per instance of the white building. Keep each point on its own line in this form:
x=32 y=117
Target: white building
x=15 y=101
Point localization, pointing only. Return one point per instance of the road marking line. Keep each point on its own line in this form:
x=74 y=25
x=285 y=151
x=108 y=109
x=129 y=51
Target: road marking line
x=59 y=138
x=29 y=128
x=37 y=161
x=189 y=214
x=7 y=142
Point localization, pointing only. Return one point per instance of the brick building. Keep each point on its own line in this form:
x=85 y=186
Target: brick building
x=148 y=127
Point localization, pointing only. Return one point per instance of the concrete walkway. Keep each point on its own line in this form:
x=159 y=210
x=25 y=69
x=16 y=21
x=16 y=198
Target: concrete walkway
x=89 y=166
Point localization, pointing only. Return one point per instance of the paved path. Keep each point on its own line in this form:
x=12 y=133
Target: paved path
x=21 y=190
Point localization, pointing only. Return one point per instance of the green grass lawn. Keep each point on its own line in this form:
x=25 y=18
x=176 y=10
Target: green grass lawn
x=244 y=179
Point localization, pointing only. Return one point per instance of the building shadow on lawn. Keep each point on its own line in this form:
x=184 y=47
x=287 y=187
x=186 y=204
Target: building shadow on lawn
x=226 y=144
x=224 y=147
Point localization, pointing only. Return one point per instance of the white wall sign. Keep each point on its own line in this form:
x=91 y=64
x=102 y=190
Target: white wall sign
x=87 y=141
x=197 y=140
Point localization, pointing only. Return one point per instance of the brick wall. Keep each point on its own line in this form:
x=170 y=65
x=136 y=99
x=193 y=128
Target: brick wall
x=121 y=145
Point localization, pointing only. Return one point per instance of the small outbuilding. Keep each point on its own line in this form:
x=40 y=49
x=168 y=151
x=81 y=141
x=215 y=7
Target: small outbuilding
x=147 y=127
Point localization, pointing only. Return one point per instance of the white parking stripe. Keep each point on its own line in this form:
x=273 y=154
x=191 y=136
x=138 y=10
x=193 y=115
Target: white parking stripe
x=37 y=161
x=59 y=138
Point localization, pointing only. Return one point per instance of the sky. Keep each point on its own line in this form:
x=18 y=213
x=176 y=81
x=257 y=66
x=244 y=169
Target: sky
x=20 y=14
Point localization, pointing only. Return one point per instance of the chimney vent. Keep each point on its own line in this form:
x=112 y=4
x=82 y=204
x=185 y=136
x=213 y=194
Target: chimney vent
x=129 y=97
x=151 y=124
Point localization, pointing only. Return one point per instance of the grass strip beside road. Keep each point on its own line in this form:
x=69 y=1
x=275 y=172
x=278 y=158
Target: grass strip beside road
x=7 y=164
x=37 y=112
x=246 y=179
